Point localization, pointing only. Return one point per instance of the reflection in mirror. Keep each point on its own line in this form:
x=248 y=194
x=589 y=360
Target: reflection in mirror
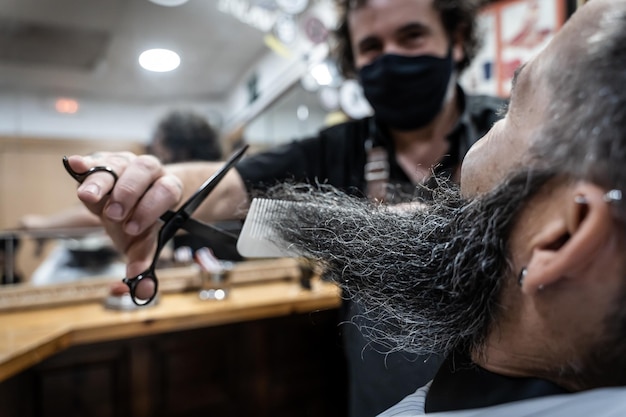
x=71 y=84
x=63 y=256
x=296 y=114
x=57 y=256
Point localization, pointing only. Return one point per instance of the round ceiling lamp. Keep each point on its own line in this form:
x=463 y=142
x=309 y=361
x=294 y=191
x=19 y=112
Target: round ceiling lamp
x=169 y=3
x=159 y=60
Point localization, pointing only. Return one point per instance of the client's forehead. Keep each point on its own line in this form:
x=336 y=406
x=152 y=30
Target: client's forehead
x=579 y=31
x=505 y=148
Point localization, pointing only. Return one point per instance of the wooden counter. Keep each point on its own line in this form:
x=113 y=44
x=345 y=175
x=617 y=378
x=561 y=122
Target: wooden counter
x=28 y=337
x=270 y=349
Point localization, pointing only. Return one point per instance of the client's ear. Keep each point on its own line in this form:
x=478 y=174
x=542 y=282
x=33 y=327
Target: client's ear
x=569 y=239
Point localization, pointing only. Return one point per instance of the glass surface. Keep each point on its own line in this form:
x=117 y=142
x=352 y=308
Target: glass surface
x=28 y=102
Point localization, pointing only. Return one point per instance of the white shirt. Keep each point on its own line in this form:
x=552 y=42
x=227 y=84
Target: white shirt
x=604 y=402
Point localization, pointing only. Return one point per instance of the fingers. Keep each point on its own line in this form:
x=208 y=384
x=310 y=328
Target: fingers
x=164 y=194
x=140 y=253
x=142 y=194
x=96 y=187
x=139 y=250
x=130 y=207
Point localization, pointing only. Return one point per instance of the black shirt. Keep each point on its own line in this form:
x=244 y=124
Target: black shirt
x=461 y=385
x=337 y=156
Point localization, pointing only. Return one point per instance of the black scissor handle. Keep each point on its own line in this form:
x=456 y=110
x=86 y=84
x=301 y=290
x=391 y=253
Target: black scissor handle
x=80 y=176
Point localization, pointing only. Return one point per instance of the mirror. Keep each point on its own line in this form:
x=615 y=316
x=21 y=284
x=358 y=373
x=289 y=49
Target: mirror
x=52 y=257
x=296 y=114
x=71 y=85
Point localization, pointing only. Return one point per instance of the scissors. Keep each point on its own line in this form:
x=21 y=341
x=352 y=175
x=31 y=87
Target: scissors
x=143 y=287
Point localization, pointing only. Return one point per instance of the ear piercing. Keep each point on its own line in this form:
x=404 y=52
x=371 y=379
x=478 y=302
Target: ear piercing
x=612 y=196
x=521 y=276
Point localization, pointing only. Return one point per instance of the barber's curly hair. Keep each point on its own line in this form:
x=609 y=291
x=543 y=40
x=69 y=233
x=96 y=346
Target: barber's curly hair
x=457 y=16
x=189 y=137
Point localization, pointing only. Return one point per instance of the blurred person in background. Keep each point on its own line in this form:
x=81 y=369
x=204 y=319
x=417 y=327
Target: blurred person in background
x=185 y=136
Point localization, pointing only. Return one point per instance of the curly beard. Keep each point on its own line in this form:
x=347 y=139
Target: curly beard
x=429 y=277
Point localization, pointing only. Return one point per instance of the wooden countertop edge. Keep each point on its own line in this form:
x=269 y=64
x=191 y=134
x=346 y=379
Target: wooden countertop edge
x=163 y=325
x=68 y=336
x=33 y=356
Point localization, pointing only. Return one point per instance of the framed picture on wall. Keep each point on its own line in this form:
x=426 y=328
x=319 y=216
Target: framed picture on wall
x=513 y=32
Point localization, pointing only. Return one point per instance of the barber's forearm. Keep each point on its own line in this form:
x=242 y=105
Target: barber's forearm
x=228 y=201
x=72 y=217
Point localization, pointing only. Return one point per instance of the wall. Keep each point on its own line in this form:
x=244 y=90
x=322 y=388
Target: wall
x=29 y=115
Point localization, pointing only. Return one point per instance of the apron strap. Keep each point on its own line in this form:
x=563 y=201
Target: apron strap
x=376 y=172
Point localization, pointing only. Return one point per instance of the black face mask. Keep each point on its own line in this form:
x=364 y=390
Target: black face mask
x=406 y=92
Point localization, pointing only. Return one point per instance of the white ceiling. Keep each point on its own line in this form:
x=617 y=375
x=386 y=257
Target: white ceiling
x=100 y=61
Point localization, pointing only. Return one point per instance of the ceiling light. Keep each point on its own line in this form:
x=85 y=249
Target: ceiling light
x=66 y=105
x=169 y=3
x=159 y=60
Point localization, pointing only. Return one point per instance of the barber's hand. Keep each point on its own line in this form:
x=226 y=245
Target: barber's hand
x=129 y=208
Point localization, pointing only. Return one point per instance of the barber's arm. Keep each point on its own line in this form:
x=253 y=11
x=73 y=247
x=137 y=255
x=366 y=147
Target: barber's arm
x=130 y=207
x=72 y=217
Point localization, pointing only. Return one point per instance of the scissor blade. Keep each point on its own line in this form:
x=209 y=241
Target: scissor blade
x=176 y=220
x=207 y=231
x=204 y=230
x=167 y=215
x=199 y=196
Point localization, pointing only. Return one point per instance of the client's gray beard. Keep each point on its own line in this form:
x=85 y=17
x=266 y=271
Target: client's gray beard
x=429 y=278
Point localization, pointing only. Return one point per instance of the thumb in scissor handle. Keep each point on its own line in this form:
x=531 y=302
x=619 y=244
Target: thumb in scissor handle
x=80 y=176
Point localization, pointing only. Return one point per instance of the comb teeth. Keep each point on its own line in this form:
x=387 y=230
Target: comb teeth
x=257 y=237
x=265 y=210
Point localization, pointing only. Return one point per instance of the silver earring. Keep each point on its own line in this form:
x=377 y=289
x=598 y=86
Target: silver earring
x=521 y=276
x=612 y=196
